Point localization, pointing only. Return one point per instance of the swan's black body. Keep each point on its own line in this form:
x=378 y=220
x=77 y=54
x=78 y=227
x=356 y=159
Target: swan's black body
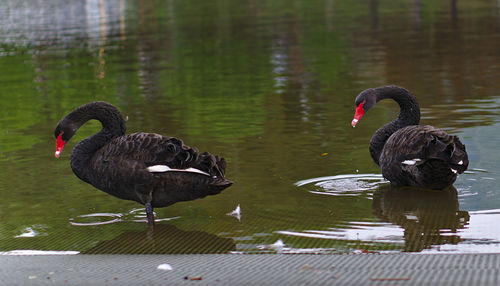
x=410 y=154
x=119 y=164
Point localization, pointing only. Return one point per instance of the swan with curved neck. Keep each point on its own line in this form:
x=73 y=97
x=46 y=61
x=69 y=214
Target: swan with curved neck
x=148 y=168
x=410 y=154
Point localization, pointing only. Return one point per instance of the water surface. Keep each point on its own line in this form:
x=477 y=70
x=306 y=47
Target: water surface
x=269 y=85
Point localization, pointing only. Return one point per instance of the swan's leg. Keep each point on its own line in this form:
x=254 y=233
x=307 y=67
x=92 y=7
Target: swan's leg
x=146 y=197
x=150 y=214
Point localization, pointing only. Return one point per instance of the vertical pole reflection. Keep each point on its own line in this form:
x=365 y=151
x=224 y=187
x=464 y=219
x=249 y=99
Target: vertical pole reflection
x=123 y=36
x=102 y=42
x=416 y=10
x=330 y=13
x=374 y=13
x=454 y=14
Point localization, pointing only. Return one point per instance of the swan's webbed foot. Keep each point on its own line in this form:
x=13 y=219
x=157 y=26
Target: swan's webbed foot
x=150 y=214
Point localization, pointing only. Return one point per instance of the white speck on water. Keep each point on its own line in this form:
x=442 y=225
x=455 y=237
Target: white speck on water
x=28 y=232
x=164 y=266
x=236 y=212
x=279 y=244
x=411 y=217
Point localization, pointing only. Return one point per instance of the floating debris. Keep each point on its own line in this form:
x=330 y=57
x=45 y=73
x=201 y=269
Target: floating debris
x=28 y=232
x=278 y=246
x=236 y=212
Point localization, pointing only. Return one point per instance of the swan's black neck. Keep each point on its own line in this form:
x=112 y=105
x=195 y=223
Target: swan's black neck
x=409 y=115
x=113 y=125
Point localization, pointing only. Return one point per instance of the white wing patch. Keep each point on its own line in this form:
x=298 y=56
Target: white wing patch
x=165 y=168
x=411 y=162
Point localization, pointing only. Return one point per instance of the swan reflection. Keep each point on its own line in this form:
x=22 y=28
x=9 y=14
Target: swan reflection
x=164 y=239
x=405 y=219
x=427 y=217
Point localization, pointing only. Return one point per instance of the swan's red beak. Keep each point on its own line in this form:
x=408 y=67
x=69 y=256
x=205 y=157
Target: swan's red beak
x=358 y=114
x=60 y=145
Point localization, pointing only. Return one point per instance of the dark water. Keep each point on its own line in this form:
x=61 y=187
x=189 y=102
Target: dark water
x=269 y=85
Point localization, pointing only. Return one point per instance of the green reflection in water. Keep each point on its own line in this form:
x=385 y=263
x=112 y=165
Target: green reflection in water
x=269 y=85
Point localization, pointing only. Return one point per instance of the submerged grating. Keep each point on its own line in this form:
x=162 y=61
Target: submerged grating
x=371 y=269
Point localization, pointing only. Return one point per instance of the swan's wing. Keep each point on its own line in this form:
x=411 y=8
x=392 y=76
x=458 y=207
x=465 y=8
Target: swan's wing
x=415 y=145
x=147 y=167
x=423 y=155
x=435 y=144
x=155 y=153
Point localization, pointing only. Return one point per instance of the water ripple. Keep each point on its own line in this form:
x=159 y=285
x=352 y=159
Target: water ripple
x=135 y=215
x=344 y=185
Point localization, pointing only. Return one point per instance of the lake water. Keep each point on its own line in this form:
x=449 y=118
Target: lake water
x=269 y=85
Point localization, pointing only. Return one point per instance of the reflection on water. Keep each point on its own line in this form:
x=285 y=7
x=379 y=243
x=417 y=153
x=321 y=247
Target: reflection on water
x=414 y=218
x=164 y=239
x=71 y=24
x=280 y=247
x=37 y=252
x=480 y=235
x=428 y=218
x=270 y=86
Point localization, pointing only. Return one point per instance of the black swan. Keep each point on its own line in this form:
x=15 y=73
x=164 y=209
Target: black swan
x=148 y=168
x=410 y=154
